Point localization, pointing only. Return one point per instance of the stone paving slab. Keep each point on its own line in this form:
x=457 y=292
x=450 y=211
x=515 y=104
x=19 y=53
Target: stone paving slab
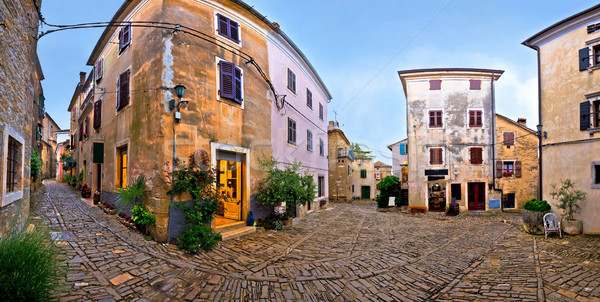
x=350 y=253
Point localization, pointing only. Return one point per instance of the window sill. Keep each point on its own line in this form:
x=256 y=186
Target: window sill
x=292 y=145
x=11 y=197
x=593 y=67
x=593 y=130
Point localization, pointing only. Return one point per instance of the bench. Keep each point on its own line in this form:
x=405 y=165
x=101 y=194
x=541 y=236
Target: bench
x=414 y=209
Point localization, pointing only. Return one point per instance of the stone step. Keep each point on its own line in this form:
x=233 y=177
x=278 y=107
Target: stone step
x=238 y=232
x=230 y=227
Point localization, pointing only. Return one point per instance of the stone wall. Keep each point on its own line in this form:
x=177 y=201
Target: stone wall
x=19 y=88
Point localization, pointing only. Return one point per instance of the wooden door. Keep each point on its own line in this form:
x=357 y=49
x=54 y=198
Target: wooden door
x=365 y=192
x=230 y=185
x=476 y=196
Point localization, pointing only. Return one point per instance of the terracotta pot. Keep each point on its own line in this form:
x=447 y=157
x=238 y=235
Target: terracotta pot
x=572 y=227
x=533 y=222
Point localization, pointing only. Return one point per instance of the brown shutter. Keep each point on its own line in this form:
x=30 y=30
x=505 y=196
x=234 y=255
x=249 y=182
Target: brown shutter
x=518 y=169
x=431 y=156
x=498 y=169
x=86 y=126
x=509 y=138
x=98 y=114
x=125 y=79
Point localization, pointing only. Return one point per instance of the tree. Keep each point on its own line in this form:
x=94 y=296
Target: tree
x=67 y=160
x=389 y=186
x=568 y=197
x=359 y=153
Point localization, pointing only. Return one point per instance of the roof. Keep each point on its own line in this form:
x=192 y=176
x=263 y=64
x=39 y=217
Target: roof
x=425 y=70
x=390 y=145
x=515 y=123
x=381 y=164
x=94 y=55
x=52 y=120
x=565 y=25
x=338 y=130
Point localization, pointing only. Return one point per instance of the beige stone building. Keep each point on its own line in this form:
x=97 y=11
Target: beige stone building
x=381 y=171
x=48 y=139
x=364 y=184
x=340 y=164
x=450 y=125
x=516 y=162
x=569 y=109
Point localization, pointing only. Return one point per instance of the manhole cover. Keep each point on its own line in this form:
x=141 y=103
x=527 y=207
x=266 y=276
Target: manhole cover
x=62 y=236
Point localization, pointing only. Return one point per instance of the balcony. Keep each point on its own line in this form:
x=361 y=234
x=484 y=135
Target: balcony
x=349 y=153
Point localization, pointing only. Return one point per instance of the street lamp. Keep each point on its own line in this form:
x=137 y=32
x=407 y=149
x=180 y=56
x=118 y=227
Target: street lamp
x=539 y=134
x=179 y=91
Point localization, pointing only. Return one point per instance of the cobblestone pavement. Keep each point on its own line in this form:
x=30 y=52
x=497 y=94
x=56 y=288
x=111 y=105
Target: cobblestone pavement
x=349 y=252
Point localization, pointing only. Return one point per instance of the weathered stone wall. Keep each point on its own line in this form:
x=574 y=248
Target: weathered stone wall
x=19 y=87
x=340 y=183
x=524 y=150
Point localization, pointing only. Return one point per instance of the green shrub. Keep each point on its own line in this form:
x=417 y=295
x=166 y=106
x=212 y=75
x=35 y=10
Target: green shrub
x=389 y=186
x=133 y=193
x=29 y=266
x=141 y=216
x=36 y=165
x=537 y=205
x=274 y=222
x=198 y=237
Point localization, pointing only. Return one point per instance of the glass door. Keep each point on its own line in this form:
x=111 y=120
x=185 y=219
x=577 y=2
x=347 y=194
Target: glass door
x=230 y=185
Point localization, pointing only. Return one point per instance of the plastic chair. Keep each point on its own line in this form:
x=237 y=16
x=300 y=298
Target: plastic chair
x=551 y=224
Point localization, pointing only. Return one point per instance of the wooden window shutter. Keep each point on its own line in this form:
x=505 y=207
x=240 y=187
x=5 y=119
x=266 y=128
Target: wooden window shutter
x=98 y=114
x=227 y=79
x=440 y=156
x=99 y=69
x=431 y=118
x=584 y=58
x=509 y=138
x=518 y=169
x=584 y=115
x=475 y=84
x=238 y=85
x=439 y=119
x=435 y=84
x=124 y=89
x=127 y=34
x=402 y=149
x=86 y=126
x=479 y=118
x=223 y=23
x=471 y=118
x=431 y=156
x=234 y=31
x=118 y=97
x=498 y=169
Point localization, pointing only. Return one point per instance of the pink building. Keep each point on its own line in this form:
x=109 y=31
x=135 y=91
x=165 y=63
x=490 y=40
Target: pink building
x=299 y=123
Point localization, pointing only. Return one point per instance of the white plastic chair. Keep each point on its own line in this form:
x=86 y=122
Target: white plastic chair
x=551 y=224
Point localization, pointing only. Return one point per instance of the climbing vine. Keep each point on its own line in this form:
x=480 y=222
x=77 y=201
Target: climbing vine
x=36 y=165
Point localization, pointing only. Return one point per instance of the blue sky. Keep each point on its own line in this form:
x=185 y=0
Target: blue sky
x=357 y=47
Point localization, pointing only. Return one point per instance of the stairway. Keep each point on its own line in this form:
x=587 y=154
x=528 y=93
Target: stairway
x=234 y=230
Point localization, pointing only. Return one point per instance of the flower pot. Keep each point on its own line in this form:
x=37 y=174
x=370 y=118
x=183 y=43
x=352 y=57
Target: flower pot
x=96 y=198
x=572 y=227
x=533 y=222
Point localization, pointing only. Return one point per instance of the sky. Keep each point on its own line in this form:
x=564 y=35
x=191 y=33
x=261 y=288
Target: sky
x=357 y=47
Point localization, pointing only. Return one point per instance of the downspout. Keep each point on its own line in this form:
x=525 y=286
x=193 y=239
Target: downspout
x=539 y=70
x=494 y=144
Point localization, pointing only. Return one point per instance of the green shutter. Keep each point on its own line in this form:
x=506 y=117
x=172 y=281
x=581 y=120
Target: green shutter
x=98 y=156
x=363 y=173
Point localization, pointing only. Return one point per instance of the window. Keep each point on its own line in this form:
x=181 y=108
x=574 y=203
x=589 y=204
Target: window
x=124 y=37
x=476 y=155
x=321 y=111
x=456 y=191
x=508 y=168
x=13 y=165
x=38 y=132
x=596 y=175
x=98 y=114
x=340 y=152
x=123 y=90
x=508 y=138
x=475 y=84
x=308 y=98
x=435 y=118
x=435 y=84
x=309 y=140
x=291 y=84
x=291 y=131
x=228 y=28
x=475 y=118
x=596 y=51
x=436 y=156
x=378 y=175
x=121 y=180
x=363 y=173
x=321 y=147
x=349 y=171
x=230 y=77
x=508 y=201
x=321 y=183
x=99 y=69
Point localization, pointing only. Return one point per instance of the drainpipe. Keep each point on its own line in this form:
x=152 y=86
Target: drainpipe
x=537 y=49
x=172 y=180
x=494 y=144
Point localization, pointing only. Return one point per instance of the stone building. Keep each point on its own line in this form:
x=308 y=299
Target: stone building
x=128 y=121
x=48 y=139
x=20 y=92
x=363 y=179
x=340 y=164
x=568 y=55
x=399 y=158
x=381 y=171
x=450 y=125
x=516 y=162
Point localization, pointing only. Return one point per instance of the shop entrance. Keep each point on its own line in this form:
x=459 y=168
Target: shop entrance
x=437 y=196
x=230 y=182
x=476 y=196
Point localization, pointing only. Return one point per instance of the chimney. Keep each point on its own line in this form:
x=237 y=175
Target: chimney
x=276 y=25
x=331 y=125
x=522 y=121
x=82 y=77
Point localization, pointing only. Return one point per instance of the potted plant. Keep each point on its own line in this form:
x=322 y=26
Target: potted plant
x=96 y=196
x=533 y=216
x=86 y=192
x=569 y=198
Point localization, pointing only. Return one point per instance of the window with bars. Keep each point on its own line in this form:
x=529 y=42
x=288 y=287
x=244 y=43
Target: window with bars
x=228 y=28
x=291 y=131
x=13 y=165
x=435 y=118
x=476 y=155
x=475 y=118
x=436 y=156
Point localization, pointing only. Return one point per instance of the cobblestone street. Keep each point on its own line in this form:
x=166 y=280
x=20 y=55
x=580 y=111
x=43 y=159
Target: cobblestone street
x=349 y=252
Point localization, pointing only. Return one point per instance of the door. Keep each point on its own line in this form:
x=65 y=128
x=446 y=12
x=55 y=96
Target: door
x=365 y=192
x=476 y=196
x=230 y=185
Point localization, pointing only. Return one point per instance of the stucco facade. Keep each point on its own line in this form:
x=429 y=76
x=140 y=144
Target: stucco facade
x=364 y=185
x=399 y=156
x=381 y=171
x=340 y=164
x=450 y=114
x=519 y=157
x=568 y=102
